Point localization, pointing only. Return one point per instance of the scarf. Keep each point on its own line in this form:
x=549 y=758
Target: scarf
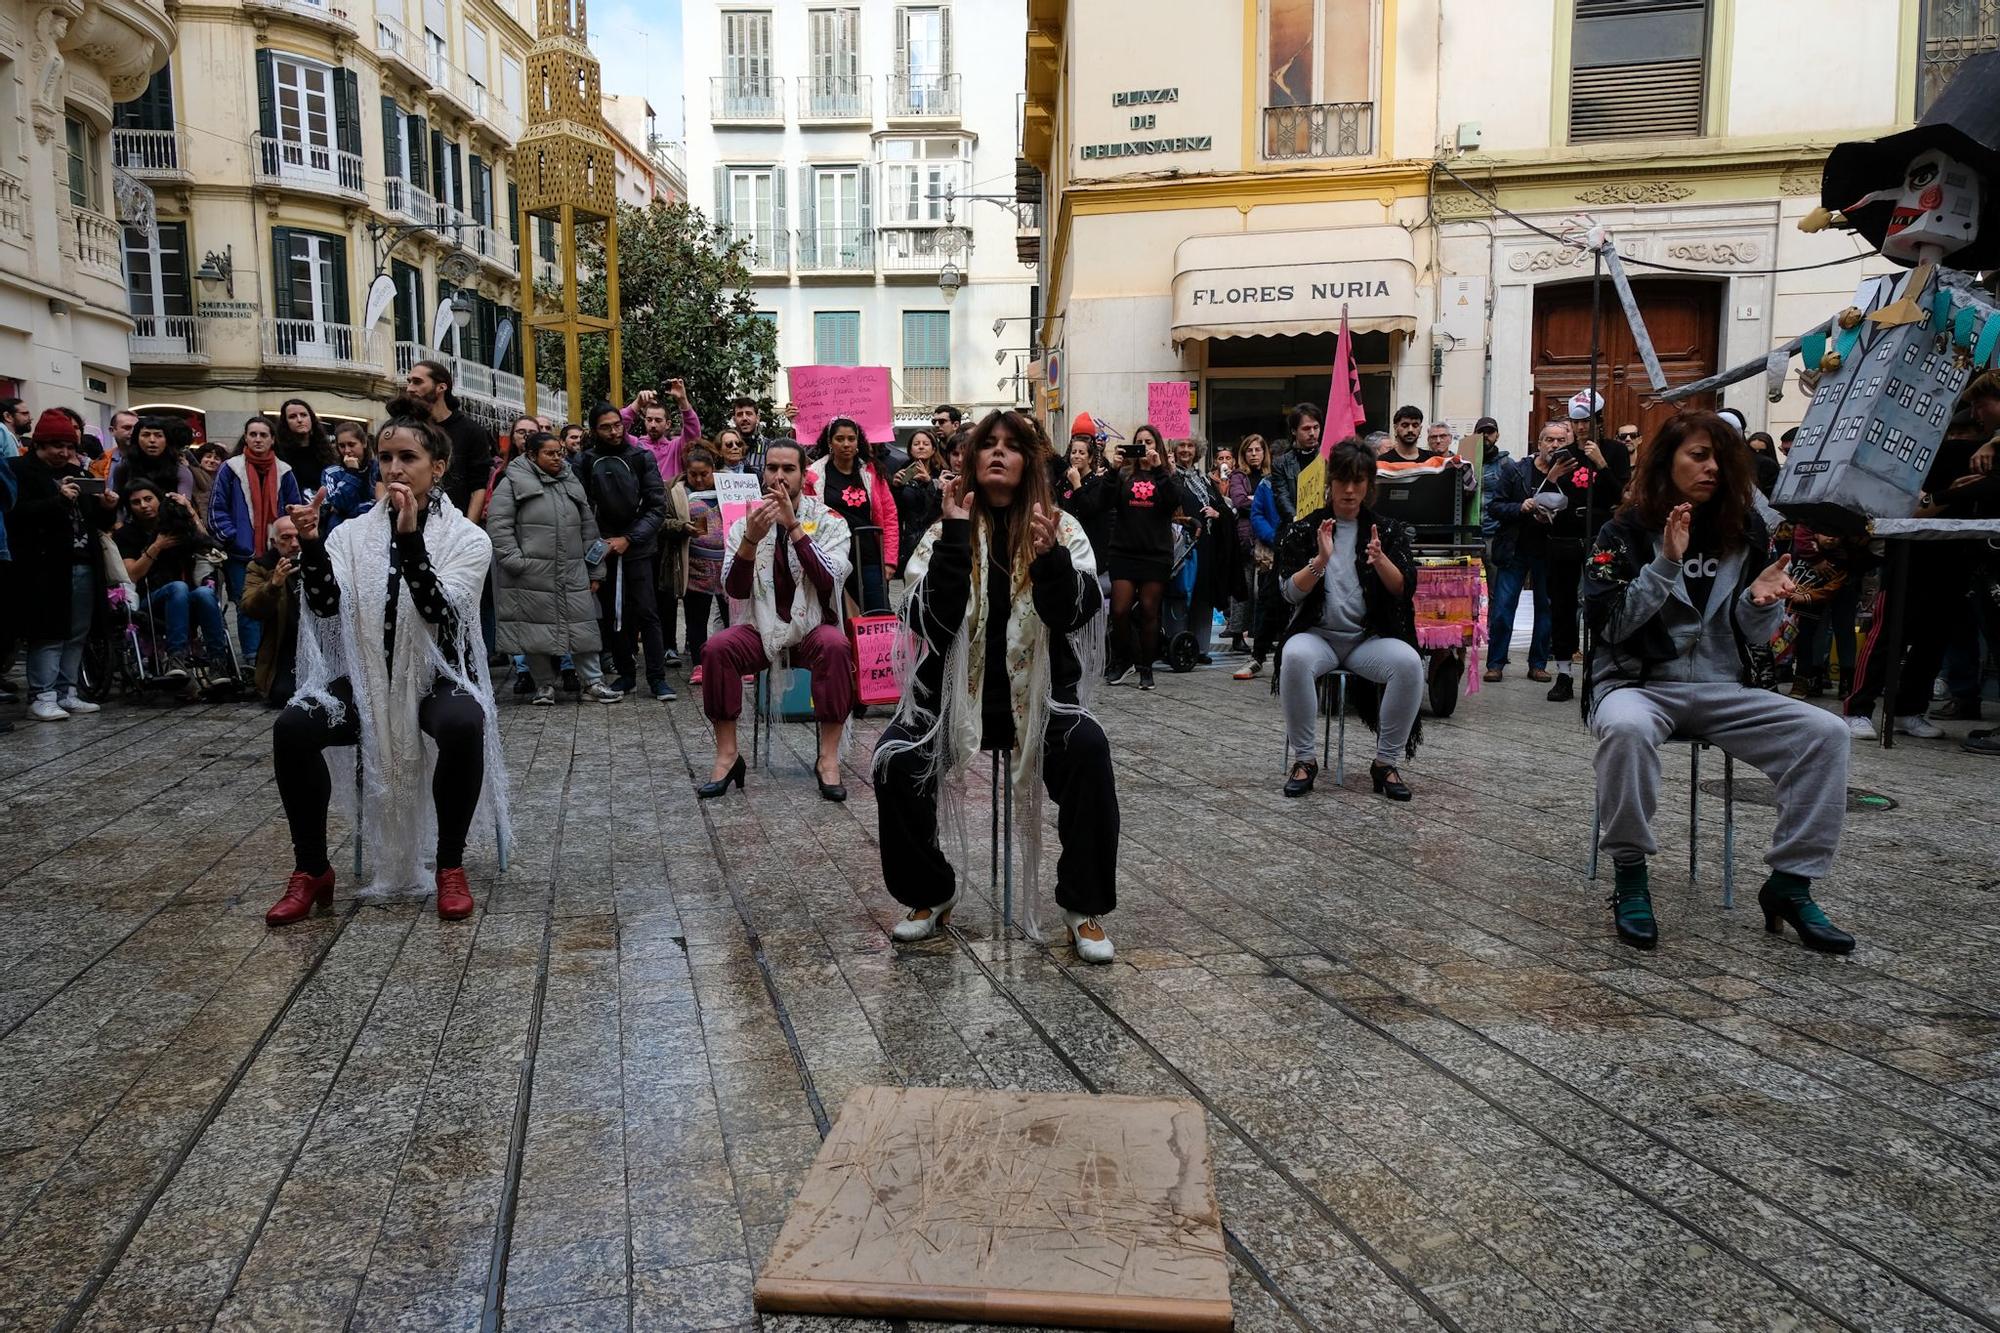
x=396 y=758
x=949 y=732
x=260 y=479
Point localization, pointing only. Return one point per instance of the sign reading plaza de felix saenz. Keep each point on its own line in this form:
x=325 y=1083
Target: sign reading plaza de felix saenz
x=1147 y=120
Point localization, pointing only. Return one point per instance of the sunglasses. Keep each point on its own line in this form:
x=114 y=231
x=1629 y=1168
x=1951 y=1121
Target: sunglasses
x=1628 y=434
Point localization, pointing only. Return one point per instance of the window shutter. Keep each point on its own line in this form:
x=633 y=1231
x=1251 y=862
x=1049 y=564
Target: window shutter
x=944 y=40
x=267 y=96
x=808 y=212
x=514 y=212
x=434 y=16
x=420 y=167
x=347 y=113
x=281 y=270
x=478 y=191
x=902 y=67
x=722 y=195
x=457 y=181
x=392 y=138
x=864 y=176
x=778 y=205
x=440 y=164
x=337 y=275
x=1637 y=69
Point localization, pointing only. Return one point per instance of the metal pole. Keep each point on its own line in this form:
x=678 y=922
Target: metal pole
x=1891 y=639
x=1007 y=892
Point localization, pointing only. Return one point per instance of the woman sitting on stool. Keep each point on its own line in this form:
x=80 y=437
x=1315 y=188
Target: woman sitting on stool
x=1677 y=595
x=1005 y=608
x=390 y=657
x=1348 y=575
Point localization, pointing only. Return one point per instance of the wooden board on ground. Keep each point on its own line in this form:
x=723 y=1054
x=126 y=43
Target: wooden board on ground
x=1007 y=1207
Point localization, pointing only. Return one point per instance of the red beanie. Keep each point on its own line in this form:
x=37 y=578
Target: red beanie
x=55 y=427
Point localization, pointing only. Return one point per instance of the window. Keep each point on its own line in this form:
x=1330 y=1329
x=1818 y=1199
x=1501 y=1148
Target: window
x=481 y=183
x=1637 y=69
x=475 y=52
x=926 y=356
x=917 y=174
x=309 y=291
x=746 y=51
x=1951 y=30
x=409 y=303
x=448 y=176
x=84 y=153
x=308 y=114
x=510 y=84
x=152 y=109
x=436 y=47
x=1319 y=78
x=834 y=226
x=406 y=163
x=157 y=290
x=835 y=88
x=750 y=201
x=922 y=83
x=837 y=337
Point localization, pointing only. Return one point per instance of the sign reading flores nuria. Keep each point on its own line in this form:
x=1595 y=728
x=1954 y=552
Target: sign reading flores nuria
x=1354 y=289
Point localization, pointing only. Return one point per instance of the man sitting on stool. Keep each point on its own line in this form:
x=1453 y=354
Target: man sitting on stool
x=1003 y=593
x=1678 y=595
x=1351 y=582
x=781 y=596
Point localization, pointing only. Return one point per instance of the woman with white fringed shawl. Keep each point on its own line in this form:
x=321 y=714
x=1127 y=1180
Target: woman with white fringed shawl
x=390 y=657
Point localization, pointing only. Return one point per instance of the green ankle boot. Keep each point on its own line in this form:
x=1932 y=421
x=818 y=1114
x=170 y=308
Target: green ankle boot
x=1632 y=906
x=1787 y=897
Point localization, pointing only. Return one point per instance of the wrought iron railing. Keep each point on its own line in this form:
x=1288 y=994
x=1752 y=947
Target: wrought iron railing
x=836 y=250
x=318 y=344
x=924 y=95
x=308 y=166
x=766 y=249
x=1324 y=129
x=147 y=152
x=744 y=97
x=843 y=97
x=166 y=338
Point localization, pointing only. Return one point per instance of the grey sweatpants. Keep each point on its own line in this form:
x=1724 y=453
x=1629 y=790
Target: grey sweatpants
x=1390 y=663
x=1802 y=749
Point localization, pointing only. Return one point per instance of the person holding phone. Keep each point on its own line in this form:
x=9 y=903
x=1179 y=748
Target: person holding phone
x=391 y=663
x=1146 y=499
x=58 y=562
x=254 y=487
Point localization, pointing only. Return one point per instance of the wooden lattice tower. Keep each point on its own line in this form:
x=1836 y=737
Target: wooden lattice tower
x=565 y=168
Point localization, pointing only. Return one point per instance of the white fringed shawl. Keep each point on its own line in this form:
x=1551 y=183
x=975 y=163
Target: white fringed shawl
x=949 y=734
x=828 y=533
x=397 y=759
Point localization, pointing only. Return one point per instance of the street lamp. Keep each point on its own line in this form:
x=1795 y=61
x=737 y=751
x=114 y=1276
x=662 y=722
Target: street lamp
x=949 y=281
x=461 y=310
x=218 y=268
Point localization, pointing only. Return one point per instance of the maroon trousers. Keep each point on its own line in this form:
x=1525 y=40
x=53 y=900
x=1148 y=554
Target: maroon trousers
x=737 y=652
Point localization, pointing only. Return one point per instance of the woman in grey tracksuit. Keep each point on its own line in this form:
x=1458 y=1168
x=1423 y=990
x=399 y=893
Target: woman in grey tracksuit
x=1678 y=594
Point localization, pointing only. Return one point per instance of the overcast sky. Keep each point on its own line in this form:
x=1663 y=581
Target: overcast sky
x=638 y=47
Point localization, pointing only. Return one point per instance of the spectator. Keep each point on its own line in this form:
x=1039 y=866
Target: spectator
x=573 y=439
x=303 y=443
x=1271 y=508
x=1147 y=501
x=649 y=414
x=1215 y=533
x=1086 y=462
x=1006 y=583
x=1351 y=583
x=1591 y=491
x=1828 y=571
x=205 y=464
x=702 y=599
x=630 y=502
x=253 y=489
x=14 y=420
x=271 y=597
x=1671 y=660
x=853 y=488
x=147 y=455
x=123 y=423
x=351 y=486
x=545 y=589
x=1526 y=496
x=917 y=489
x=946 y=419
x=731 y=450
x=1407 y=433
x=1492 y=459
x=430 y=383
x=391 y=653
x=1764 y=457
x=58 y=563
x=1437 y=440
x=784 y=595
x=1254 y=558
x=159 y=543
x=9 y=621
x=748 y=422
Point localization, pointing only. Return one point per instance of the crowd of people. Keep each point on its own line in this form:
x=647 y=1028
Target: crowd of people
x=568 y=558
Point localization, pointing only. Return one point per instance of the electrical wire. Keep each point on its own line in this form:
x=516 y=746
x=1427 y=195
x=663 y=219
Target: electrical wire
x=1574 y=244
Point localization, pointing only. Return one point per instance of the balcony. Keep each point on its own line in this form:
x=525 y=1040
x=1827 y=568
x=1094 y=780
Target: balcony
x=924 y=97
x=754 y=101
x=837 y=250
x=303 y=166
x=926 y=385
x=765 y=249
x=326 y=17
x=396 y=43
x=172 y=340
x=491 y=392
x=546 y=272
x=151 y=154
x=13 y=210
x=1324 y=129
x=1028 y=234
x=311 y=344
x=506 y=121
x=409 y=202
x=911 y=250
x=847 y=97
x=96 y=242
x=495 y=247
x=453 y=84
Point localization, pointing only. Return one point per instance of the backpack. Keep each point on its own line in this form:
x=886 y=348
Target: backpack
x=615 y=493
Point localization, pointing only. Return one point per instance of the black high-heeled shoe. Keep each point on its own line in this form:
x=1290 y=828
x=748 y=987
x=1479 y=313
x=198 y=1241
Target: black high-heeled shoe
x=716 y=788
x=830 y=791
x=1299 y=783
x=1793 y=905
x=1388 y=782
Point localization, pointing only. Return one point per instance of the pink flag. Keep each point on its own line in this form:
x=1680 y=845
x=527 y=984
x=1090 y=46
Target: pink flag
x=1343 y=399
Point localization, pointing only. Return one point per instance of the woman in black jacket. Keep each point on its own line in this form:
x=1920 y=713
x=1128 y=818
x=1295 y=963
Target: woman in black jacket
x=917 y=494
x=1351 y=581
x=1146 y=499
x=304 y=443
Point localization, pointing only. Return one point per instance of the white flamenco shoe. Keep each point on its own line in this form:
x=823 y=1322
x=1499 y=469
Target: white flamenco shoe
x=1087 y=934
x=924 y=922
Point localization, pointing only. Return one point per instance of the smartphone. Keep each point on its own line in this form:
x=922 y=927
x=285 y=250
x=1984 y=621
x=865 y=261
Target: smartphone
x=598 y=550
x=89 y=485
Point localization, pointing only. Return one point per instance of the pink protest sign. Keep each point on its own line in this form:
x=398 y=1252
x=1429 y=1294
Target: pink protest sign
x=874 y=639
x=821 y=393
x=1167 y=408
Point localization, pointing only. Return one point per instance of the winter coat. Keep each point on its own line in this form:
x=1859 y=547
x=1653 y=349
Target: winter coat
x=41 y=531
x=276 y=604
x=918 y=505
x=626 y=494
x=541 y=527
x=229 y=505
x=1242 y=492
x=676 y=536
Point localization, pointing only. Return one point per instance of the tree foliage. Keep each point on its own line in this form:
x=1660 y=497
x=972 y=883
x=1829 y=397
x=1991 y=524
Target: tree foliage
x=686 y=313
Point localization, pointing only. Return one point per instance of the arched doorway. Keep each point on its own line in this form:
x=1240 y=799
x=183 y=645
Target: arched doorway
x=1683 y=317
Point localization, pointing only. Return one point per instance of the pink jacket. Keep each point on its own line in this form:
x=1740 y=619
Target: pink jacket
x=668 y=452
x=881 y=503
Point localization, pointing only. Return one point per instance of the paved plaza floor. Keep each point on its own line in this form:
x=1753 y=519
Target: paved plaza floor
x=1440 y=1094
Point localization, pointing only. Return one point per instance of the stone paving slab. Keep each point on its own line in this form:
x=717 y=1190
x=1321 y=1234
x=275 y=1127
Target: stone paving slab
x=1439 y=1094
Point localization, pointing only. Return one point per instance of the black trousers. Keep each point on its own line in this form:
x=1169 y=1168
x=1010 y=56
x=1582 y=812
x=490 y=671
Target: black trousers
x=304 y=731
x=1933 y=602
x=696 y=607
x=1076 y=769
x=640 y=611
x=1565 y=569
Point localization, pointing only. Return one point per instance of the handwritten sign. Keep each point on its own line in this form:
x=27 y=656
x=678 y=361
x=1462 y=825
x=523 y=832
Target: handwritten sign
x=1312 y=487
x=735 y=494
x=821 y=393
x=1167 y=408
x=874 y=639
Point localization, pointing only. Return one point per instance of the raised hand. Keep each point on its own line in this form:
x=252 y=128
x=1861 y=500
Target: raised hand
x=403 y=500
x=1326 y=541
x=305 y=517
x=781 y=500
x=955 y=505
x=283 y=569
x=1674 y=541
x=1042 y=531
x=1774 y=584
x=1375 y=556
x=760 y=520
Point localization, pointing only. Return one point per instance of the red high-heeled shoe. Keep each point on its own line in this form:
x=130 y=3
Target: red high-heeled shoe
x=303 y=892
x=454 y=895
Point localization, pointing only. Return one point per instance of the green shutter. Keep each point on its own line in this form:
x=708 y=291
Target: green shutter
x=346 y=112
x=477 y=197
x=281 y=270
x=926 y=339
x=514 y=212
x=342 y=313
x=392 y=138
x=267 y=97
x=420 y=167
x=440 y=164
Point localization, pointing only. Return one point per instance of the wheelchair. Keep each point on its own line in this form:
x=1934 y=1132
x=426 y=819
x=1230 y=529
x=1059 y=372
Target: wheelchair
x=126 y=654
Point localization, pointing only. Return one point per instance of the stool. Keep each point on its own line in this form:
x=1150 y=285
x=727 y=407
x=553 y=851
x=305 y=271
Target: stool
x=1337 y=678
x=499 y=834
x=1694 y=820
x=1003 y=833
x=762 y=726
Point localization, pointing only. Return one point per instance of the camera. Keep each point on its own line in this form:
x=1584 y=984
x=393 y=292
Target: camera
x=1135 y=452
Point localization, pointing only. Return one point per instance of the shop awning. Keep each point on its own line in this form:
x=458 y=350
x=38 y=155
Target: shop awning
x=1242 y=284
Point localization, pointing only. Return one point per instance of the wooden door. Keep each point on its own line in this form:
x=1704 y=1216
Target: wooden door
x=1684 y=319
